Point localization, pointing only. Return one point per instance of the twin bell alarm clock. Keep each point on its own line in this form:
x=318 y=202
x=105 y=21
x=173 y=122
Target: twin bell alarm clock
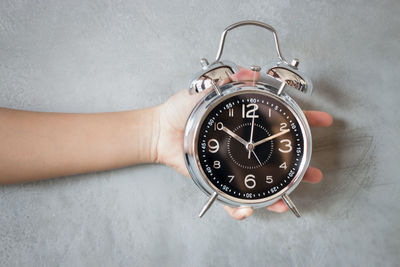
x=248 y=143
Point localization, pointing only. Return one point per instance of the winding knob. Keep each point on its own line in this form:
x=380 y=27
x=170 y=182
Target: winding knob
x=295 y=63
x=255 y=68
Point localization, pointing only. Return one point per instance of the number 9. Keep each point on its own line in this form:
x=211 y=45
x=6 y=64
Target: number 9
x=213 y=145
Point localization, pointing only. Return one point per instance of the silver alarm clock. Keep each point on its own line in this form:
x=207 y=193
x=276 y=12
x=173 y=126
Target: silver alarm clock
x=248 y=143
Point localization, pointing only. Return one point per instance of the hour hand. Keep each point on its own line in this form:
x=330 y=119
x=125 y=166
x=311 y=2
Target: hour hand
x=235 y=136
x=270 y=137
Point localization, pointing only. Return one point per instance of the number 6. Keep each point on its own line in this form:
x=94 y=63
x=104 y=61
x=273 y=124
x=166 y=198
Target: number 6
x=250 y=179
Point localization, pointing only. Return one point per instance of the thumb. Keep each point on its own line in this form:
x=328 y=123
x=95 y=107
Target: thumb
x=238 y=213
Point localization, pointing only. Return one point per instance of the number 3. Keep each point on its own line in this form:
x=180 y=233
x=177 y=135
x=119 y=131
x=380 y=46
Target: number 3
x=287 y=145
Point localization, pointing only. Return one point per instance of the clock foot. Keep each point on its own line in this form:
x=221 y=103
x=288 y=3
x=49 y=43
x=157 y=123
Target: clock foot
x=291 y=205
x=210 y=201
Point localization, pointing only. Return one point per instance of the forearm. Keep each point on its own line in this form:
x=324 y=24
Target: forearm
x=36 y=145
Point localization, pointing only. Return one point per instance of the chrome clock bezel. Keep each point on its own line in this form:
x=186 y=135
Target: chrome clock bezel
x=206 y=105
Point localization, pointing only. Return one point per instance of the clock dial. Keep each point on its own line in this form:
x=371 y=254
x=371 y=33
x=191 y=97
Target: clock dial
x=250 y=146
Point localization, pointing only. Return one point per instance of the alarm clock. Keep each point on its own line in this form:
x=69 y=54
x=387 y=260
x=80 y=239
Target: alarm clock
x=248 y=143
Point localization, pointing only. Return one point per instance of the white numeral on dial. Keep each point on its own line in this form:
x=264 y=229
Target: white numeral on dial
x=251 y=113
x=269 y=179
x=283 y=166
x=283 y=126
x=213 y=145
x=231 y=112
x=249 y=181
x=217 y=164
x=288 y=146
x=231 y=177
x=218 y=126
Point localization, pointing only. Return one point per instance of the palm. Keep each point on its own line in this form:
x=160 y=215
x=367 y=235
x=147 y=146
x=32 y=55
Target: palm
x=173 y=116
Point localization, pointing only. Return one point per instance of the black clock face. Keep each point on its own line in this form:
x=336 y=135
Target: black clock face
x=250 y=146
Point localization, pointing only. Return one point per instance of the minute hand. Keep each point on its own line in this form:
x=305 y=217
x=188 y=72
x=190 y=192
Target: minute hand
x=235 y=136
x=270 y=138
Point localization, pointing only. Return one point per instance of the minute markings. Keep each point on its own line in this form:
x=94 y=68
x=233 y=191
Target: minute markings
x=281 y=176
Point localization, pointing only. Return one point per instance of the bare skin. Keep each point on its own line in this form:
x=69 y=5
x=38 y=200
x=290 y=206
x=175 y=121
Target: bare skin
x=39 y=145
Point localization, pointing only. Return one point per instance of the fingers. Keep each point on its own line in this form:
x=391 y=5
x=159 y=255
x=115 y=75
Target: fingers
x=278 y=206
x=318 y=118
x=244 y=212
x=315 y=118
x=245 y=75
x=238 y=213
x=242 y=75
x=312 y=175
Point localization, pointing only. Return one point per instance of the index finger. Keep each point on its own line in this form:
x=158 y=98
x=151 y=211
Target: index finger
x=314 y=118
x=318 y=118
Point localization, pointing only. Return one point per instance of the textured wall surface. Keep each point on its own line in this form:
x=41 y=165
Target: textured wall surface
x=92 y=56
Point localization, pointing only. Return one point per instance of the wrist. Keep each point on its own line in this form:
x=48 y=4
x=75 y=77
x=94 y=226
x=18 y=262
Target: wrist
x=155 y=134
x=144 y=132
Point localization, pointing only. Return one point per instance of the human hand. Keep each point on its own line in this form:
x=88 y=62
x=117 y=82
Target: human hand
x=173 y=115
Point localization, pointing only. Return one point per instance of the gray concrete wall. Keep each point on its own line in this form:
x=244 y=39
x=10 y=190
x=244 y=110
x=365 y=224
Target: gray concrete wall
x=92 y=56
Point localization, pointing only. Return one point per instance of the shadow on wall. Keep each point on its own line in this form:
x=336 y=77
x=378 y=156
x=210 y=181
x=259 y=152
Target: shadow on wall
x=345 y=155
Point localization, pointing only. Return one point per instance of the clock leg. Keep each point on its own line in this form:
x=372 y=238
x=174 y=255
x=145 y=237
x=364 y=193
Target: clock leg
x=291 y=205
x=210 y=201
x=280 y=90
